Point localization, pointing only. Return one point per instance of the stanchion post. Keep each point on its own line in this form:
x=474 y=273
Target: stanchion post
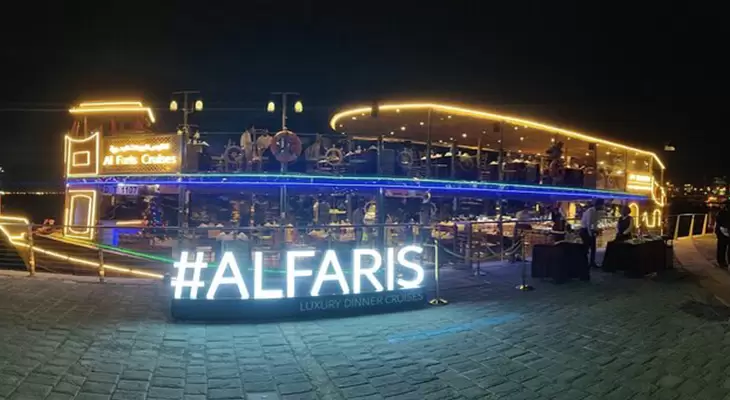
x=437 y=301
x=467 y=251
x=102 y=273
x=31 y=252
x=692 y=227
x=524 y=286
x=704 y=225
x=676 y=226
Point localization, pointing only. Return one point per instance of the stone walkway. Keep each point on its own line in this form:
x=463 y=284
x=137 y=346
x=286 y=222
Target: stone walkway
x=611 y=338
x=697 y=255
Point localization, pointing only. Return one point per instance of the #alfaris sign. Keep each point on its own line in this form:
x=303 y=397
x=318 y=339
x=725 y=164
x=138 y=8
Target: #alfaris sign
x=307 y=282
x=141 y=154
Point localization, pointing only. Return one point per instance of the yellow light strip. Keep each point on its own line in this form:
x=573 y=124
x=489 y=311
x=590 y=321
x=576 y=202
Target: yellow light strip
x=655 y=221
x=84 y=262
x=91 y=214
x=16 y=220
x=137 y=107
x=68 y=140
x=78 y=164
x=635 y=212
x=640 y=188
x=13 y=218
x=22 y=236
x=88 y=216
x=489 y=116
x=110 y=103
x=133 y=222
x=14 y=240
x=662 y=201
x=640 y=178
x=141 y=148
x=644 y=218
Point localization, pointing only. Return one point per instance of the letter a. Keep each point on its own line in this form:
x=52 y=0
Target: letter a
x=227 y=260
x=330 y=258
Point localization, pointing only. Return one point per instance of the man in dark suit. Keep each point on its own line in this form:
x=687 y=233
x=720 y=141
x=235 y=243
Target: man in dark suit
x=722 y=230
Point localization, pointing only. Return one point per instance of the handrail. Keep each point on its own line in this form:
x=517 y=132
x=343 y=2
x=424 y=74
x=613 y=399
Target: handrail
x=693 y=221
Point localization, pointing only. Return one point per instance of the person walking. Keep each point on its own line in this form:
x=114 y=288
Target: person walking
x=589 y=230
x=722 y=231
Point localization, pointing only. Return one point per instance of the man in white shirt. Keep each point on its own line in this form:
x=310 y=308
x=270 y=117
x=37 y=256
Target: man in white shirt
x=589 y=229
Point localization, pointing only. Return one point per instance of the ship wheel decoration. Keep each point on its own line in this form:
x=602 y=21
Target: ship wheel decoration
x=286 y=146
x=233 y=154
x=333 y=156
x=405 y=158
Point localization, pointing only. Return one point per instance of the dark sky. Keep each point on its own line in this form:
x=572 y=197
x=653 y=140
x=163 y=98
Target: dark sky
x=641 y=73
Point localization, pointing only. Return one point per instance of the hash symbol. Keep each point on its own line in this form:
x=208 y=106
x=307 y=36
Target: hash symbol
x=182 y=266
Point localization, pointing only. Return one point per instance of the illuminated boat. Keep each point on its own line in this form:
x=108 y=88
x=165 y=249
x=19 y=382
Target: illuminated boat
x=138 y=199
x=112 y=154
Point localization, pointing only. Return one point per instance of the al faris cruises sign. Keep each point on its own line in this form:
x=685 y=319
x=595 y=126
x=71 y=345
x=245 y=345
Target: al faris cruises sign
x=147 y=154
x=306 y=282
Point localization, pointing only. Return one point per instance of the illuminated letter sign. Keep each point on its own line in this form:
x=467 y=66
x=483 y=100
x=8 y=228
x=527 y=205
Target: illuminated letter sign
x=369 y=273
x=141 y=154
x=228 y=262
x=330 y=258
x=366 y=265
x=291 y=271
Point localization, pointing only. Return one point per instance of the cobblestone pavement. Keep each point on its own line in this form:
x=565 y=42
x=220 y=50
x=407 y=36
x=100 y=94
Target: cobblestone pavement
x=612 y=338
x=707 y=246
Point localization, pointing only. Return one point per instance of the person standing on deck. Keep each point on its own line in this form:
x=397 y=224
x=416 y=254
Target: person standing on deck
x=625 y=224
x=589 y=230
x=722 y=231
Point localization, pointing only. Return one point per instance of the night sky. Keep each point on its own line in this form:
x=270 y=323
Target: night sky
x=643 y=74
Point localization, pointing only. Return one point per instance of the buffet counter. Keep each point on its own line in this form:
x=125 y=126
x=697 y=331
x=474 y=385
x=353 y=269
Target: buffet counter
x=637 y=257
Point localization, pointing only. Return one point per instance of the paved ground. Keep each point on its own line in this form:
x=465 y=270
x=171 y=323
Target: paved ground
x=707 y=246
x=612 y=338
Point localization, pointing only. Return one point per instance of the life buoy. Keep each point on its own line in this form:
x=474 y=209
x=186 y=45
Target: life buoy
x=290 y=149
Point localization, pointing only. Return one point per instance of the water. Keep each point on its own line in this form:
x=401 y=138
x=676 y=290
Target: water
x=34 y=207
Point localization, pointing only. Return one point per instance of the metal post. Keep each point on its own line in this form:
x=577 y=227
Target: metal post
x=185 y=115
x=380 y=218
x=437 y=301
x=479 y=158
x=428 y=145
x=283 y=111
x=284 y=165
x=626 y=171
x=500 y=167
x=101 y=266
x=524 y=286
x=500 y=228
x=180 y=216
x=379 y=157
x=692 y=226
x=467 y=251
x=31 y=252
x=455 y=201
x=676 y=226
x=704 y=225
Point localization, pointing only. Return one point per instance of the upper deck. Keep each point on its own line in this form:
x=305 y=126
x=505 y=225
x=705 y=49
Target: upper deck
x=413 y=145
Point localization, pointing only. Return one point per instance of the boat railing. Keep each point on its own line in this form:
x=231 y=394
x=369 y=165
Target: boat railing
x=151 y=251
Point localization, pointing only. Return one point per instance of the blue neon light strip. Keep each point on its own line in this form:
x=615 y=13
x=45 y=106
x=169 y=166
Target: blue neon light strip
x=435 y=185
